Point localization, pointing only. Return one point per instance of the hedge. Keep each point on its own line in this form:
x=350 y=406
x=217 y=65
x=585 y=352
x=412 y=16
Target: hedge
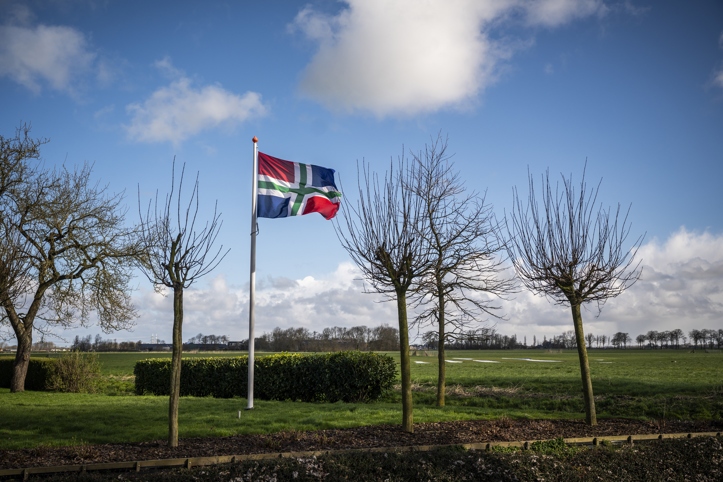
x=37 y=377
x=347 y=376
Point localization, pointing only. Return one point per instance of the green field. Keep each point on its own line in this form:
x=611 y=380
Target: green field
x=627 y=383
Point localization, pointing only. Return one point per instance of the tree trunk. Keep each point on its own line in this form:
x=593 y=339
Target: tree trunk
x=590 y=416
x=175 y=366
x=442 y=374
x=407 y=416
x=22 y=360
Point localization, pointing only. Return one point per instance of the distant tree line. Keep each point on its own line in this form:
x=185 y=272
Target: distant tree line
x=378 y=338
x=99 y=344
x=652 y=339
x=202 y=341
x=386 y=338
x=705 y=338
x=479 y=339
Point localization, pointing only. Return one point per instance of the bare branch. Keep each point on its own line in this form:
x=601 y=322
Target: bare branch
x=570 y=251
x=176 y=257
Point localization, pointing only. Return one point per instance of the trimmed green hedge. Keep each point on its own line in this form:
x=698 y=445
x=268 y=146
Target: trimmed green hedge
x=37 y=377
x=348 y=376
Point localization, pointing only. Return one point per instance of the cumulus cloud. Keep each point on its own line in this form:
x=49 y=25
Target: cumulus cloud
x=336 y=299
x=180 y=110
x=52 y=56
x=408 y=57
x=681 y=287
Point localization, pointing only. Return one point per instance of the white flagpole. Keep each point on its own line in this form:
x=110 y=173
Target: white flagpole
x=252 y=292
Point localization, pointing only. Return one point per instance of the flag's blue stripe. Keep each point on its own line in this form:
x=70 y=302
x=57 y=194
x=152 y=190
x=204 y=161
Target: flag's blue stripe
x=272 y=207
x=322 y=177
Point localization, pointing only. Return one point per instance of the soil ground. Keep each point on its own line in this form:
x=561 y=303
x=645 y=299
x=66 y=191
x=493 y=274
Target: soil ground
x=442 y=433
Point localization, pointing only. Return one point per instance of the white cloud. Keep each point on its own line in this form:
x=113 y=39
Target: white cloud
x=410 y=56
x=553 y=13
x=314 y=303
x=181 y=110
x=681 y=287
x=55 y=56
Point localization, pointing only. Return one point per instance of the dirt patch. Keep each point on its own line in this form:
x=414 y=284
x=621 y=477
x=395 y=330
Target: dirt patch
x=437 y=433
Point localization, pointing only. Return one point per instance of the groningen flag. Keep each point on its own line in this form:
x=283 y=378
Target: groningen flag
x=294 y=189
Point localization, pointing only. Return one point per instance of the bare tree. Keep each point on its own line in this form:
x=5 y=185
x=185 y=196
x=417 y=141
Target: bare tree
x=590 y=338
x=461 y=235
x=676 y=335
x=64 y=250
x=78 y=257
x=573 y=253
x=621 y=339
x=653 y=337
x=176 y=255
x=381 y=236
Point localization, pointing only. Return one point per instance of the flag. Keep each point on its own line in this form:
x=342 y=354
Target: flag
x=293 y=189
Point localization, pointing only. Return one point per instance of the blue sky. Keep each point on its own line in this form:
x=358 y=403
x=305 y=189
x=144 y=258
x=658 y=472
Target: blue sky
x=634 y=87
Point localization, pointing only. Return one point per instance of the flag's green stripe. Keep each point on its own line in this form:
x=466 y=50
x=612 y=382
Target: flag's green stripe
x=302 y=176
x=299 y=194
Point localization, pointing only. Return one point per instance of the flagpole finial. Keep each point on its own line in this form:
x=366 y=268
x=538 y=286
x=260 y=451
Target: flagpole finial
x=255 y=139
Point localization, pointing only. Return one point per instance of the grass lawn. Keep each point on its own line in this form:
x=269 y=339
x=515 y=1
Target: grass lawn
x=627 y=383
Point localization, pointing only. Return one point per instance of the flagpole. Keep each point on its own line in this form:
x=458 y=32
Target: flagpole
x=252 y=292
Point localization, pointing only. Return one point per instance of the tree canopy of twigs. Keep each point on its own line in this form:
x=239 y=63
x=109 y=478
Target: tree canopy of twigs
x=381 y=236
x=65 y=250
x=466 y=271
x=572 y=251
x=175 y=255
x=19 y=157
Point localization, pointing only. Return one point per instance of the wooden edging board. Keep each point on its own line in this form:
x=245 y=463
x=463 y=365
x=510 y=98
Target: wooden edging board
x=189 y=462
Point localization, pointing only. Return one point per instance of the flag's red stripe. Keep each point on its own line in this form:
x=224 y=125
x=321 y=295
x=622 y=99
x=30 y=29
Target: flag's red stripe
x=321 y=205
x=276 y=168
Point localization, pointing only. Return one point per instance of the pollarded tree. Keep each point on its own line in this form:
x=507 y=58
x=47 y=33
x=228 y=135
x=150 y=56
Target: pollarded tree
x=176 y=255
x=381 y=236
x=566 y=248
x=641 y=340
x=466 y=270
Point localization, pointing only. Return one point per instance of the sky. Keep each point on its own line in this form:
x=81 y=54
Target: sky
x=633 y=87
